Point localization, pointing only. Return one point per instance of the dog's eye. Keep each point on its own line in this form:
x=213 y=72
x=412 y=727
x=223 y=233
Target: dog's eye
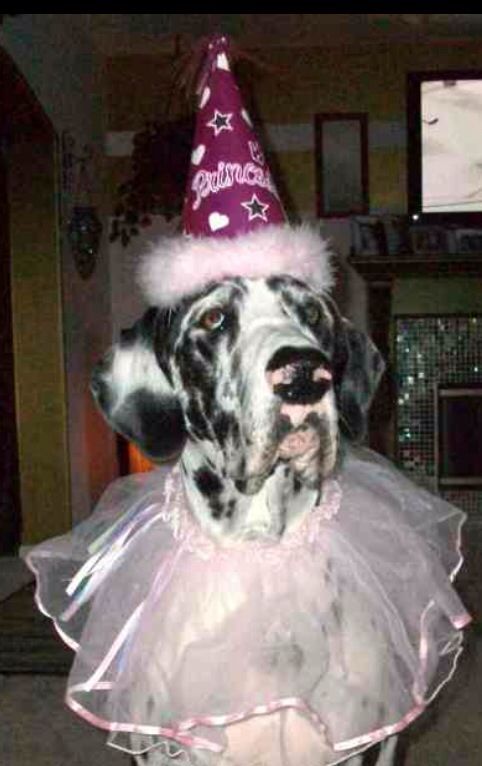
x=212 y=319
x=312 y=313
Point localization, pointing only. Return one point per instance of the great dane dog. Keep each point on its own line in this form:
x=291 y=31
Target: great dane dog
x=256 y=382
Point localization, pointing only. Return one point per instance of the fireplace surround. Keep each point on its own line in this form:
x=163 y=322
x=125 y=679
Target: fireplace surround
x=436 y=354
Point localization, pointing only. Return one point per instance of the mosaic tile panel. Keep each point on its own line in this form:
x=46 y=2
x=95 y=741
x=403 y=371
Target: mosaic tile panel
x=431 y=350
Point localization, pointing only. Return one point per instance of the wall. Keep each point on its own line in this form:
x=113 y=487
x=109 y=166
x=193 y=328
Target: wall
x=56 y=58
x=295 y=85
x=372 y=80
x=37 y=335
x=285 y=95
x=437 y=296
x=369 y=79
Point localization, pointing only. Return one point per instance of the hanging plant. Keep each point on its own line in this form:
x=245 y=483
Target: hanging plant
x=160 y=164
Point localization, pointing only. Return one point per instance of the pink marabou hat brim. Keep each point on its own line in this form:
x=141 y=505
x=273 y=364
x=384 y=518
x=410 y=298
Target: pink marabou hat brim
x=182 y=266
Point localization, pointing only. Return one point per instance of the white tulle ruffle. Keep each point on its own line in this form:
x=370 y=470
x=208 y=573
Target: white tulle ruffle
x=302 y=651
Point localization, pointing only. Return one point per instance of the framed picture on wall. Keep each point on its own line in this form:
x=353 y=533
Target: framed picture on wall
x=341 y=164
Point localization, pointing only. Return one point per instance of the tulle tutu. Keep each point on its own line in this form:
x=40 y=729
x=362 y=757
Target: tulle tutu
x=301 y=651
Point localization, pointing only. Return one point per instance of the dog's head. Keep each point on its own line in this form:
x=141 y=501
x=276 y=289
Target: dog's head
x=256 y=371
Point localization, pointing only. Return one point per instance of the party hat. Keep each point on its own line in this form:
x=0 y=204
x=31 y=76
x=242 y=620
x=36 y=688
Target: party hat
x=233 y=222
x=230 y=190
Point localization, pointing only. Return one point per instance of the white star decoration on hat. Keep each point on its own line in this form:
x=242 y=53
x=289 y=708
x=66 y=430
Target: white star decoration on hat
x=256 y=208
x=220 y=122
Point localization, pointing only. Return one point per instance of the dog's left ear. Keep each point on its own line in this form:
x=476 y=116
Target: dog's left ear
x=358 y=367
x=134 y=393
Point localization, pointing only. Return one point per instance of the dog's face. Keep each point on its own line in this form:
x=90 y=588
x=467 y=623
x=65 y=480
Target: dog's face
x=251 y=363
x=256 y=373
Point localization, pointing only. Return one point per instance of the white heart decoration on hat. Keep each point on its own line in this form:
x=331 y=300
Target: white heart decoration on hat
x=198 y=154
x=206 y=95
x=222 y=62
x=246 y=117
x=218 y=221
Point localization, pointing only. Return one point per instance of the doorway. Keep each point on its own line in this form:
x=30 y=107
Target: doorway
x=34 y=475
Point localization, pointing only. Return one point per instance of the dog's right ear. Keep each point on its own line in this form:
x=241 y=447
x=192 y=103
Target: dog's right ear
x=134 y=393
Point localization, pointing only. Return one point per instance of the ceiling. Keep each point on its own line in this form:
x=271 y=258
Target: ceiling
x=123 y=33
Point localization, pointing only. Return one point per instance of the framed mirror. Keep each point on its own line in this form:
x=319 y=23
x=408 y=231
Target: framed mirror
x=341 y=164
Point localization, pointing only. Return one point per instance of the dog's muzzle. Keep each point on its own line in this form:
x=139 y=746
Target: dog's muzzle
x=299 y=378
x=298 y=375
x=299 y=420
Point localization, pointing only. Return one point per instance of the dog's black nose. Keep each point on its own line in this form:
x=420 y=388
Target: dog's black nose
x=298 y=375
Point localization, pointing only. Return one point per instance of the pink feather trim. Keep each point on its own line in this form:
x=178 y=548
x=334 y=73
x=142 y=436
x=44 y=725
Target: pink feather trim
x=181 y=266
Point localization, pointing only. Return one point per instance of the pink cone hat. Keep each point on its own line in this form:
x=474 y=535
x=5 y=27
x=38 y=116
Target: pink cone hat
x=230 y=189
x=233 y=221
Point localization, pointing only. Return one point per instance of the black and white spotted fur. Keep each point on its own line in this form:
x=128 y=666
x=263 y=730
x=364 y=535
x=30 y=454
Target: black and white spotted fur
x=203 y=378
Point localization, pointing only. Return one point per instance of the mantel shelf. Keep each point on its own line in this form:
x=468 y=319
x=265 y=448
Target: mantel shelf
x=386 y=269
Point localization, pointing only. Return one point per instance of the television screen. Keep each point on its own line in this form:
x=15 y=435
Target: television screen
x=444 y=144
x=459 y=436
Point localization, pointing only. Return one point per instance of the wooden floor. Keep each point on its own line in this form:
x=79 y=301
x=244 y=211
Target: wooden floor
x=28 y=641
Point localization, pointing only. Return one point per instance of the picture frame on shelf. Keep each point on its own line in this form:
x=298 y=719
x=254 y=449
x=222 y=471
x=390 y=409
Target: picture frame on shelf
x=368 y=237
x=397 y=235
x=468 y=241
x=429 y=240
